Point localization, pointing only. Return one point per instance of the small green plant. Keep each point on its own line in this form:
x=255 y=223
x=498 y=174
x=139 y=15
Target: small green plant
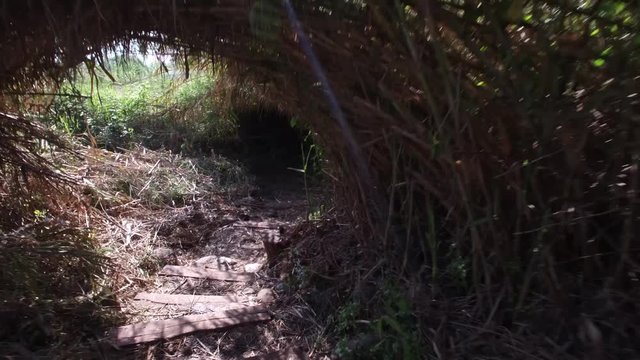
x=40 y=215
x=397 y=329
x=316 y=213
x=458 y=271
x=344 y=327
x=392 y=335
x=311 y=164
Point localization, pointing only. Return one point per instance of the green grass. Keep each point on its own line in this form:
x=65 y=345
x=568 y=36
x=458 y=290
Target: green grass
x=391 y=334
x=147 y=104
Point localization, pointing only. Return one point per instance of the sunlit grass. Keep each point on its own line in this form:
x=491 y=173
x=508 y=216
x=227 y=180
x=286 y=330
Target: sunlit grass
x=151 y=104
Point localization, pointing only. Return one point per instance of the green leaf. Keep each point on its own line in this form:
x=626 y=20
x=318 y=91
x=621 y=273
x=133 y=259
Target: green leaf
x=598 y=62
x=613 y=8
x=606 y=52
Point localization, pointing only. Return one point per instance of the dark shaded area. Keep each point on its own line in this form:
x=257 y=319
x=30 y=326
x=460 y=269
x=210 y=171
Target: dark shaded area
x=269 y=143
x=273 y=151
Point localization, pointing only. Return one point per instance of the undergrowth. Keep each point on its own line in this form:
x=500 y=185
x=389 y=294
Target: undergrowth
x=143 y=102
x=51 y=268
x=159 y=178
x=389 y=334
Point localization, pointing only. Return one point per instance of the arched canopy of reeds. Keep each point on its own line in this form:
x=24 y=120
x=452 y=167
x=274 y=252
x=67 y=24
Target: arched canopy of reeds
x=493 y=144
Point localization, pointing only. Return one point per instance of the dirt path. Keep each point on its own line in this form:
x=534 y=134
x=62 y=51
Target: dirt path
x=227 y=235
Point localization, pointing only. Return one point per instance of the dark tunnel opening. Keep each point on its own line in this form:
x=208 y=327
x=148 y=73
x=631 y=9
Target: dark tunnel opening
x=269 y=142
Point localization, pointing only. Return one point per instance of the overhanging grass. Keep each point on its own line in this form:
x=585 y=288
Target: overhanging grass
x=497 y=140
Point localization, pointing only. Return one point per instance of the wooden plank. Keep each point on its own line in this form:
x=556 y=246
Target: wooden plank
x=187 y=299
x=286 y=354
x=166 y=329
x=205 y=273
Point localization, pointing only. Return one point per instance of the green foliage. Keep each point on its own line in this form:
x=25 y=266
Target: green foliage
x=312 y=158
x=310 y=155
x=344 y=326
x=143 y=106
x=316 y=213
x=397 y=329
x=394 y=334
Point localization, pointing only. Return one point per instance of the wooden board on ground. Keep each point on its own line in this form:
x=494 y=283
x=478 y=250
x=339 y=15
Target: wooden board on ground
x=166 y=329
x=146 y=307
x=286 y=354
x=205 y=273
x=179 y=299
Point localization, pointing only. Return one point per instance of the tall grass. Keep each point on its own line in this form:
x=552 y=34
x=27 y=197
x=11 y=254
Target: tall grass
x=143 y=102
x=507 y=152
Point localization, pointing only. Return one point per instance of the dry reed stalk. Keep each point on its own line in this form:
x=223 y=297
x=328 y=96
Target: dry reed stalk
x=514 y=137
